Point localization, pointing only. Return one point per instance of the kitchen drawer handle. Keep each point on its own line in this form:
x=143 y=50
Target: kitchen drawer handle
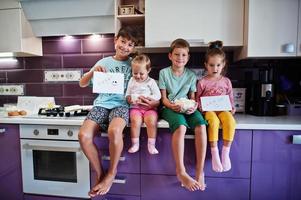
x=104 y=135
x=2 y=130
x=296 y=139
x=119 y=180
x=189 y=137
x=50 y=148
x=122 y=158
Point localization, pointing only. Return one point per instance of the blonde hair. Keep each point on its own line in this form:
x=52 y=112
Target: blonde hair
x=142 y=59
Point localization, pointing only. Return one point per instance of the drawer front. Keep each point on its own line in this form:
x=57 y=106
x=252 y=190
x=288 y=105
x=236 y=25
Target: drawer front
x=169 y=188
x=9 y=147
x=11 y=185
x=116 y=197
x=124 y=184
x=163 y=163
x=128 y=163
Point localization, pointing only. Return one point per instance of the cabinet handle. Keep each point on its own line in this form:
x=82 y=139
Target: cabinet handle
x=296 y=139
x=50 y=148
x=119 y=180
x=122 y=158
x=104 y=135
x=189 y=137
x=2 y=130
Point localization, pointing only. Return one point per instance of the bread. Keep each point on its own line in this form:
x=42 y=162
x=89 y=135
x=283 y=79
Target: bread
x=22 y=112
x=13 y=113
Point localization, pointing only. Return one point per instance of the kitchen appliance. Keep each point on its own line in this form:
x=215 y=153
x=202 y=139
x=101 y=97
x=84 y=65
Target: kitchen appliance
x=53 y=162
x=260 y=95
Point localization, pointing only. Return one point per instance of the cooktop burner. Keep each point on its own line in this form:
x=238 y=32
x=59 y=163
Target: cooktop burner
x=65 y=111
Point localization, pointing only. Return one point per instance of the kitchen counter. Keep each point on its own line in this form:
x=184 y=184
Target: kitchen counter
x=243 y=121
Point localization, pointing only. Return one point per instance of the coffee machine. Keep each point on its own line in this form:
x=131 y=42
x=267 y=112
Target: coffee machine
x=261 y=95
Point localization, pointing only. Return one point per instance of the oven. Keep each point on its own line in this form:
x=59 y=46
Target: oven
x=53 y=162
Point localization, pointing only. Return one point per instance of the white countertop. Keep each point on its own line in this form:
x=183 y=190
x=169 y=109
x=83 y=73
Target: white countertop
x=243 y=121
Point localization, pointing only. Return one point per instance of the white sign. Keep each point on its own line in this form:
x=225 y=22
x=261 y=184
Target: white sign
x=216 y=103
x=112 y=83
x=32 y=104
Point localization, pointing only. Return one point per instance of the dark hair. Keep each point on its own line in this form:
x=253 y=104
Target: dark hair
x=128 y=33
x=142 y=59
x=216 y=48
x=179 y=43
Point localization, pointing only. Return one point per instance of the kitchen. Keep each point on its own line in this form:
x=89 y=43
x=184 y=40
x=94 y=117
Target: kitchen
x=259 y=52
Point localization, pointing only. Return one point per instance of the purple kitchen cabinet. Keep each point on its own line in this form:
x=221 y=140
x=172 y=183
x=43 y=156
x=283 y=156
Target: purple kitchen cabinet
x=163 y=163
x=116 y=197
x=128 y=163
x=168 y=188
x=124 y=184
x=41 y=197
x=10 y=167
x=276 y=166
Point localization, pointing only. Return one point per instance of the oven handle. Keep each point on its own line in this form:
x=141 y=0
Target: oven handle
x=50 y=148
x=107 y=158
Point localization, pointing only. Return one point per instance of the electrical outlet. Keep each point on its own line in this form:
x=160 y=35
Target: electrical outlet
x=11 y=89
x=56 y=76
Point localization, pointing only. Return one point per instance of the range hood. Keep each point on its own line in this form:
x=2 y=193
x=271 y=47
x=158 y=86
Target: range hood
x=16 y=36
x=69 y=17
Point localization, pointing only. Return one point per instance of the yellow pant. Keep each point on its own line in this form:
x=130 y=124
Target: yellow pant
x=227 y=122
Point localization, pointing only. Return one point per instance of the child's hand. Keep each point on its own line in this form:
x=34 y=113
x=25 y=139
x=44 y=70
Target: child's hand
x=233 y=111
x=176 y=107
x=192 y=110
x=99 y=69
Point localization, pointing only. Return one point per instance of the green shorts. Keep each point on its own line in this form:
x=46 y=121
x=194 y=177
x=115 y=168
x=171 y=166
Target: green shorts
x=176 y=119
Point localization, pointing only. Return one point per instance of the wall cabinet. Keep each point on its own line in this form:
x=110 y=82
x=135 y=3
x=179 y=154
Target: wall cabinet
x=276 y=165
x=271 y=28
x=10 y=167
x=198 y=21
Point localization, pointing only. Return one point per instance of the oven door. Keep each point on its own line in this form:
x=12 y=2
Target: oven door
x=54 y=168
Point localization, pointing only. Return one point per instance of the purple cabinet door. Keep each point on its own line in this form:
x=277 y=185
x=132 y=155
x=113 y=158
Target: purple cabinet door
x=9 y=147
x=276 y=166
x=125 y=184
x=10 y=167
x=128 y=163
x=168 y=188
x=163 y=163
x=116 y=197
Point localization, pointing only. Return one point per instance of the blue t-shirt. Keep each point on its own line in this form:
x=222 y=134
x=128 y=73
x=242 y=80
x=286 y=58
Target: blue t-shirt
x=177 y=86
x=111 y=65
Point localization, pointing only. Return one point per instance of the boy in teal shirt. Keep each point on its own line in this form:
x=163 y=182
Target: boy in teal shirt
x=177 y=82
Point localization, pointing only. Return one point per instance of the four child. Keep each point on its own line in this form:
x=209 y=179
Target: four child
x=110 y=112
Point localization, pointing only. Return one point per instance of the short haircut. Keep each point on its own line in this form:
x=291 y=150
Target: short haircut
x=128 y=33
x=179 y=43
x=142 y=59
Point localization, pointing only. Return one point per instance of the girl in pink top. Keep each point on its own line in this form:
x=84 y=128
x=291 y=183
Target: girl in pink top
x=215 y=84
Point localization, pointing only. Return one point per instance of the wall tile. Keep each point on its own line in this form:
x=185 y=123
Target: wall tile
x=61 y=46
x=99 y=45
x=76 y=90
x=80 y=61
x=25 y=76
x=89 y=100
x=67 y=101
x=44 y=62
x=2 y=77
x=44 y=90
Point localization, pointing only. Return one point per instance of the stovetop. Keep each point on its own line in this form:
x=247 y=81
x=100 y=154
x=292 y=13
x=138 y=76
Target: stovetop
x=64 y=111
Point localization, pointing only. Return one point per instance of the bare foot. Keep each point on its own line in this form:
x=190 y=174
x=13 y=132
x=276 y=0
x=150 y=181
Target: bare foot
x=188 y=182
x=92 y=193
x=201 y=181
x=103 y=186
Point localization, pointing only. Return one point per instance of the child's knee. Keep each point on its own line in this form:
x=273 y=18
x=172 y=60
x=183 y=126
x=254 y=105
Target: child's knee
x=85 y=137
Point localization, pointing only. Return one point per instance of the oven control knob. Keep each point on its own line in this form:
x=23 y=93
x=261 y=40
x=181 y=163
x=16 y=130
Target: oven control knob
x=70 y=133
x=36 y=132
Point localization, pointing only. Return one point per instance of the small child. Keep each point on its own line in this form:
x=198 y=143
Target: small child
x=215 y=84
x=142 y=86
x=176 y=82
